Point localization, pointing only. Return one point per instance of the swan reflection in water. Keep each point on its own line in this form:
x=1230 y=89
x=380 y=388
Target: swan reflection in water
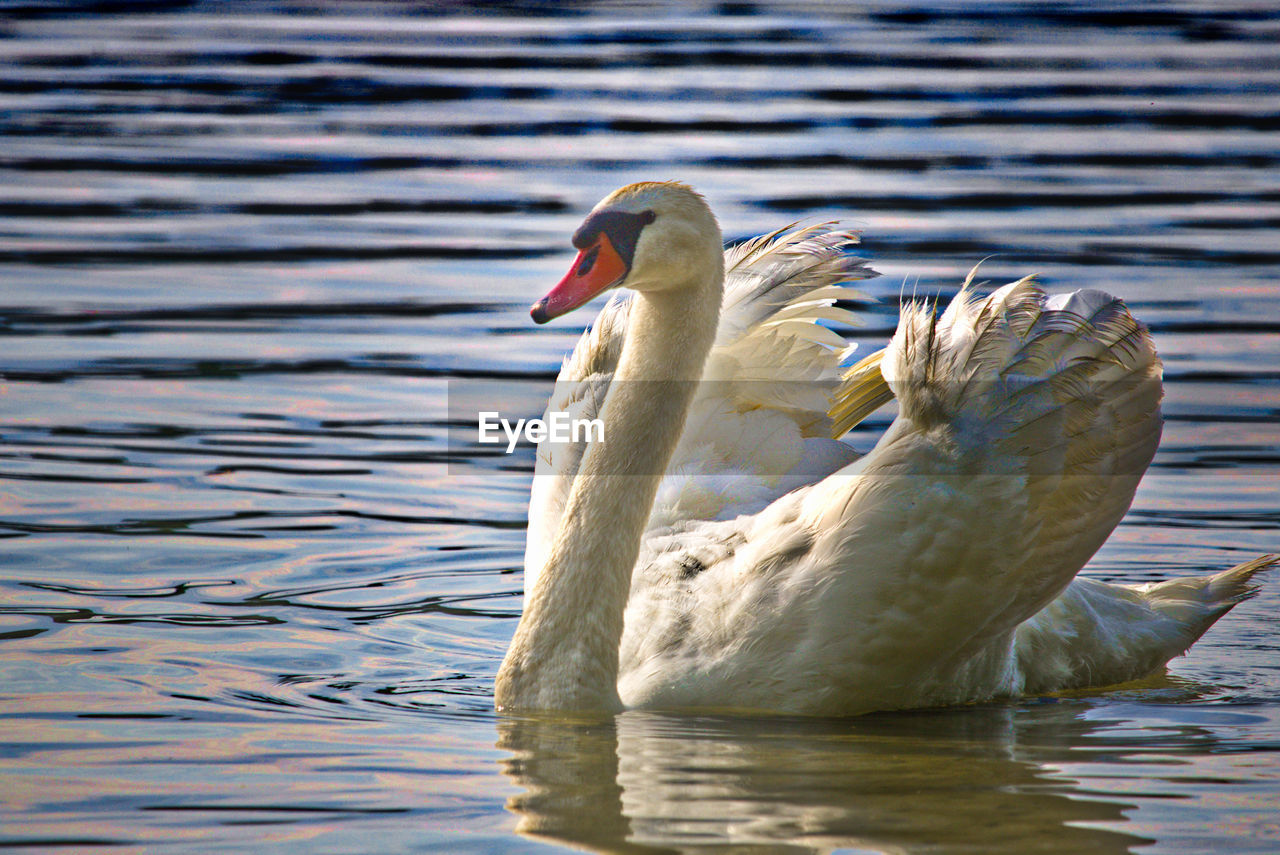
x=973 y=780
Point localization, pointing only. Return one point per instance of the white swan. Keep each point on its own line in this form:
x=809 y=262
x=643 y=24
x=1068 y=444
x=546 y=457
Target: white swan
x=719 y=550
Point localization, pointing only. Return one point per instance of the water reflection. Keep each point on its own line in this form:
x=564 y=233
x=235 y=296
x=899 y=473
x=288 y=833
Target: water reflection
x=977 y=780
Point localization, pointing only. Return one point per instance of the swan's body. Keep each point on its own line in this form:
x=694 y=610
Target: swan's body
x=720 y=550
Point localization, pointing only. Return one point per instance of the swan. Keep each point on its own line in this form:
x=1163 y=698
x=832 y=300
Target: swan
x=720 y=550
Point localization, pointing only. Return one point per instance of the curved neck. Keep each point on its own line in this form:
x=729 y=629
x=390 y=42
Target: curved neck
x=564 y=655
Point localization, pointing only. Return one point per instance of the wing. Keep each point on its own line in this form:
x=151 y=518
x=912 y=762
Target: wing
x=759 y=425
x=1024 y=426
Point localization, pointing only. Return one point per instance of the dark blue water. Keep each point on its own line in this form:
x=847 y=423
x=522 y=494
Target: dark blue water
x=251 y=595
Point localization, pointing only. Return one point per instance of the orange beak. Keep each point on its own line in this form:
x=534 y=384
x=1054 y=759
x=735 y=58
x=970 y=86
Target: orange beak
x=597 y=268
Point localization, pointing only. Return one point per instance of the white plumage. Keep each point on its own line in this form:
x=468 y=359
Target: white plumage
x=775 y=570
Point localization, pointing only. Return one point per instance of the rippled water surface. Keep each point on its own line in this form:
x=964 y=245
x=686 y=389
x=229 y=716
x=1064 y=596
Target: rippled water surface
x=247 y=601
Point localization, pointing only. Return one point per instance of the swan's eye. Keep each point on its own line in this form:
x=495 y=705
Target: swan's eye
x=588 y=260
x=622 y=229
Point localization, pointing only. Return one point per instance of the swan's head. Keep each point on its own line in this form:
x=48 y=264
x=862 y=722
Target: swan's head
x=651 y=236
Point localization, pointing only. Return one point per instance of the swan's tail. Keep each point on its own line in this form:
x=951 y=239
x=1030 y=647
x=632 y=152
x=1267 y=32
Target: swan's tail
x=1097 y=634
x=1196 y=602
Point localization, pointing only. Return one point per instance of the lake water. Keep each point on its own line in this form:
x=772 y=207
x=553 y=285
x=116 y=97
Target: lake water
x=248 y=603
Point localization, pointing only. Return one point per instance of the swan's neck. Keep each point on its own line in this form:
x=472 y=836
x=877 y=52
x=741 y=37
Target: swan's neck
x=564 y=655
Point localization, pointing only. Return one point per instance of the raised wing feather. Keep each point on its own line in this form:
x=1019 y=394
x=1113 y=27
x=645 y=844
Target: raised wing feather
x=1025 y=424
